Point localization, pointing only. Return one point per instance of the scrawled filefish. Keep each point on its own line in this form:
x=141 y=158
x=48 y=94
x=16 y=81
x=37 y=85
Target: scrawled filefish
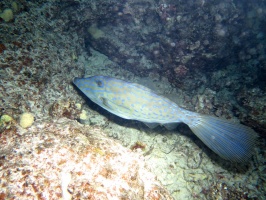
x=231 y=141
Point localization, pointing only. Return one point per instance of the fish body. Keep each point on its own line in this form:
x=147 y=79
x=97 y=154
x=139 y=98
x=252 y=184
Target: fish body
x=231 y=141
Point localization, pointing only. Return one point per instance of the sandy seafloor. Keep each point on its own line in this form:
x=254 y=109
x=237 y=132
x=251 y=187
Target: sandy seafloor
x=75 y=149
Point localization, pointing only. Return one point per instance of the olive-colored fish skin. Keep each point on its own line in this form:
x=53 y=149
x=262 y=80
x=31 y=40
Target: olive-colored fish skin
x=231 y=141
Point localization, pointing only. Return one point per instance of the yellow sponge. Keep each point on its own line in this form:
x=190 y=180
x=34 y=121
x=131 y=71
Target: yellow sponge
x=7 y=15
x=26 y=120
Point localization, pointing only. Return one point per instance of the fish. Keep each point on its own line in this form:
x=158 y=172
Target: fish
x=231 y=141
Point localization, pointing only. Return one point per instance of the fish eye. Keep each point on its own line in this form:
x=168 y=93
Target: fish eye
x=99 y=83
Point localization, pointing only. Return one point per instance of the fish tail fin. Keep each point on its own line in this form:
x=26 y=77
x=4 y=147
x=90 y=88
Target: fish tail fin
x=231 y=141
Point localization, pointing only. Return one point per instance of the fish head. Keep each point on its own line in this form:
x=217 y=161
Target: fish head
x=93 y=87
x=107 y=92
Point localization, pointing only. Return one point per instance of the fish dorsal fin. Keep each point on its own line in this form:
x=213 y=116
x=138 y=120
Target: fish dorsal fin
x=146 y=89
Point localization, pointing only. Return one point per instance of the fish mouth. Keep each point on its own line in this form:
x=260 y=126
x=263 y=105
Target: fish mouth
x=75 y=80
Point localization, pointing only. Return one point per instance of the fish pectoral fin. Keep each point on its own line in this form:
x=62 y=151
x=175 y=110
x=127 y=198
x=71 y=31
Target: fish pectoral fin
x=151 y=125
x=105 y=102
x=111 y=106
x=108 y=104
x=170 y=126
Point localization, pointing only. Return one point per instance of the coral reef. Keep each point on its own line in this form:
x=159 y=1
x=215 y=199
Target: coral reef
x=190 y=43
x=208 y=56
x=63 y=157
x=2 y=48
